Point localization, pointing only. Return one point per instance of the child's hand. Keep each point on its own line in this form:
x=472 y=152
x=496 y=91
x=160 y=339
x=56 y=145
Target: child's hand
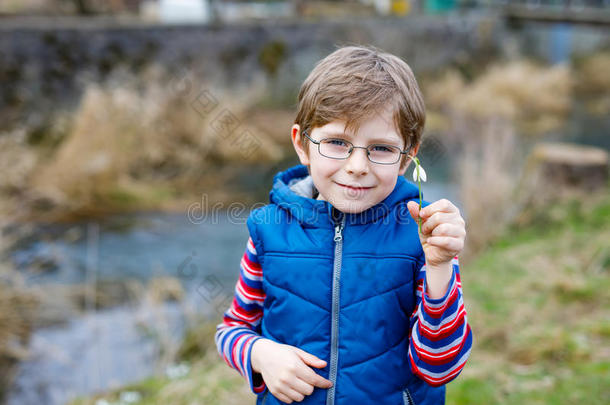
x=285 y=370
x=442 y=232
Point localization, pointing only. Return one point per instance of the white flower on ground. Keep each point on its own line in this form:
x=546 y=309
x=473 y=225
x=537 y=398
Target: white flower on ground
x=130 y=397
x=177 y=371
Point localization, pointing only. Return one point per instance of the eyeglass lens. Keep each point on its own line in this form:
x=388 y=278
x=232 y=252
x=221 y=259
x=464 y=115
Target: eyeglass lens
x=377 y=153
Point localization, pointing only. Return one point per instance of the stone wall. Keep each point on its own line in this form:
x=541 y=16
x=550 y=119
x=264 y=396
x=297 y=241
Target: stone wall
x=45 y=63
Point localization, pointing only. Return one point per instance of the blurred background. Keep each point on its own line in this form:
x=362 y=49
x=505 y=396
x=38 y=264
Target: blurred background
x=137 y=135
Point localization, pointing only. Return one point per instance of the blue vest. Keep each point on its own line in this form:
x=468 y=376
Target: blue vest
x=342 y=287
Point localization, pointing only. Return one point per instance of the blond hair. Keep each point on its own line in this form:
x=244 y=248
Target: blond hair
x=356 y=82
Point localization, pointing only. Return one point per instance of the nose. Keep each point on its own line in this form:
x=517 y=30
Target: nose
x=358 y=162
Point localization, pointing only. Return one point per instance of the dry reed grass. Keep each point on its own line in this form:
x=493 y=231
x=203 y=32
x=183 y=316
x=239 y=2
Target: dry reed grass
x=18 y=308
x=594 y=82
x=489 y=171
x=535 y=98
x=144 y=140
x=593 y=73
x=489 y=124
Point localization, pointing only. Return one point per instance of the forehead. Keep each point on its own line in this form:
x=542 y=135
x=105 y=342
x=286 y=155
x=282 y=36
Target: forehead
x=376 y=129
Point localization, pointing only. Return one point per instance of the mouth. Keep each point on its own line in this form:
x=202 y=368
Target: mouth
x=354 y=188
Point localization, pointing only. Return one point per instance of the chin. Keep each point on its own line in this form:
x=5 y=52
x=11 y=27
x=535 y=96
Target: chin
x=352 y=207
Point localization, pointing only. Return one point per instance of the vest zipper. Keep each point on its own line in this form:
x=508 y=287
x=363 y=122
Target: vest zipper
x=406 y=397
x=330 y=394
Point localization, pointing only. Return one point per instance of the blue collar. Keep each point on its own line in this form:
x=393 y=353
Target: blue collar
x=317 y=213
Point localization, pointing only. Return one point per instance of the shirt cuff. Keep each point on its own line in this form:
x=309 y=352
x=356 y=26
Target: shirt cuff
x=255 y=380
x=436 y=303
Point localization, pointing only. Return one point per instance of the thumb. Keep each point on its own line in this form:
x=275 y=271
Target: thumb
x=413 y=209
x=309 y=359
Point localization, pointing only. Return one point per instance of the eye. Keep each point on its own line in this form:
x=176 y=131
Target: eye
x=336 y=142
x=382 y=148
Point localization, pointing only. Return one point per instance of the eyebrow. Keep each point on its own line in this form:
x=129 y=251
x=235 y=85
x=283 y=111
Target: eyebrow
x=374 y=140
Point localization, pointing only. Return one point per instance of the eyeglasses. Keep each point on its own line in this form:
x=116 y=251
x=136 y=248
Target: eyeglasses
x=336 y=148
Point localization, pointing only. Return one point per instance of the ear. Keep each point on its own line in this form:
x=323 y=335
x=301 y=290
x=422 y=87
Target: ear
x=405 y=165
x=298 y=146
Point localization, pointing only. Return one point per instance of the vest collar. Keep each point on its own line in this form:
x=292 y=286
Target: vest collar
x=293 y=191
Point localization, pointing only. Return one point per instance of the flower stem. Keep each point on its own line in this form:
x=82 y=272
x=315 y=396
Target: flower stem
x=416 y=160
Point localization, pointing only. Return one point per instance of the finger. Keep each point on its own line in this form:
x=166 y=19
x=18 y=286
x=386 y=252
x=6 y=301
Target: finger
x=284 y=398
x=446 y=242
x=442 y=205
x=293 y=395
x=433 y=221
x=311 y=377
x=301 y=387
x=309 y=358
x=446 y=229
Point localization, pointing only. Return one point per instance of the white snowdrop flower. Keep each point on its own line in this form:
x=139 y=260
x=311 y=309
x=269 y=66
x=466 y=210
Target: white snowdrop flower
x=422 y=173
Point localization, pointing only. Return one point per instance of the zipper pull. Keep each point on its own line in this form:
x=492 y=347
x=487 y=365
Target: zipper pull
x=339 y=219
x=338 y=235
x=338 y=230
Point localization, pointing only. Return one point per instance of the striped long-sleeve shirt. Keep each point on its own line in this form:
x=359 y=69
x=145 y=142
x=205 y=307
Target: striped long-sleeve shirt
x=440 y=335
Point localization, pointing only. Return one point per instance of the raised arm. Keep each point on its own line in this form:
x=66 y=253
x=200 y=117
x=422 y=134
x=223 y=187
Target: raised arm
x=441 y=338
x=241 y=321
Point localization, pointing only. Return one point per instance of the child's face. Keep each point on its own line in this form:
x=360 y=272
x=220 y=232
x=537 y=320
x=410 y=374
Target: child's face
x=354 y=184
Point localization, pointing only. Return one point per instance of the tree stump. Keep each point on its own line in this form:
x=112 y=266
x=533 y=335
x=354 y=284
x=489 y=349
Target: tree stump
x=565 y=165
x=556 y=170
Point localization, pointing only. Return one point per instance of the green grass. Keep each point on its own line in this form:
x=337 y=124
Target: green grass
x=538 y=301
x=582 y=384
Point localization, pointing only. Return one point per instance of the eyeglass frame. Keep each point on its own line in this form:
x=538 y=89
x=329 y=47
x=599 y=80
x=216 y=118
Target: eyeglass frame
x=368 y=152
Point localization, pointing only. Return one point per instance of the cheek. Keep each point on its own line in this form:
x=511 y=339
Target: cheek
x=318 y=176
x=388 y=177
x=325 y=169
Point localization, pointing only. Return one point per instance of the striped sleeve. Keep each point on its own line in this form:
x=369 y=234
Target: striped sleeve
x=441 y=338
x=240 y=327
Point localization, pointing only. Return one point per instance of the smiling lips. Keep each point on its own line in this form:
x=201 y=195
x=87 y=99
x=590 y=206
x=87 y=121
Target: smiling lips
x=354 y=188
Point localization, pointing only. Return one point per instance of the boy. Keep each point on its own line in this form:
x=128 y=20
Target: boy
x=334 y=271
